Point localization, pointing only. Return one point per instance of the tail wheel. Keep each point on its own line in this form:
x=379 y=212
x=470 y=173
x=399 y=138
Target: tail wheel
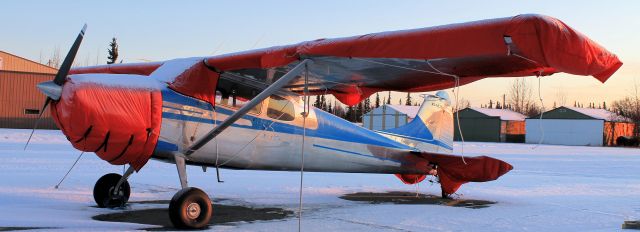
x=190 y=208
x=105 y=194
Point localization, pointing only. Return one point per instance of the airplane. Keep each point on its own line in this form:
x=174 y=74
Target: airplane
x=251 y=110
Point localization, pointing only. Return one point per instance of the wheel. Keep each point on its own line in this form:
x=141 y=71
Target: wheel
x=104 y=194
x=190 y=208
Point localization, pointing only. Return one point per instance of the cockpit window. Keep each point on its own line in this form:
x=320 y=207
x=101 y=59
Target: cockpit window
x=280 y=109
x=235 y=96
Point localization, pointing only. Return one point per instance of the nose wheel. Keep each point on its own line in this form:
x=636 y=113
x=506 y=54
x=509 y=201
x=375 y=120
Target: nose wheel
x=108 y=194
x=190 y=208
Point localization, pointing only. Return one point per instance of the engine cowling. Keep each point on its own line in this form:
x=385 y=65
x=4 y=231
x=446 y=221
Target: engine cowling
x=112 y=115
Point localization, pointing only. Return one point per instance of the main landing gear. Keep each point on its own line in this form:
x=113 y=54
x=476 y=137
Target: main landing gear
x=190 y=208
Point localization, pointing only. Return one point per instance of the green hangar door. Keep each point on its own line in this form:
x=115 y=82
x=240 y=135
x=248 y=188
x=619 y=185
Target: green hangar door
x=489 y=125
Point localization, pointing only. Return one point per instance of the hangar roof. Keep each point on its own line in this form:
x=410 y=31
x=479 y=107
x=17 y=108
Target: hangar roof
x=11 y=62
x=504 y=114
x=566 y=112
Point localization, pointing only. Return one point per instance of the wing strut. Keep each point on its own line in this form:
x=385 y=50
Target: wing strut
x=276 y=86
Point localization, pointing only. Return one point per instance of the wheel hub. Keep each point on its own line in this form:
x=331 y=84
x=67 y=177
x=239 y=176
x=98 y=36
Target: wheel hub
x=193 y=210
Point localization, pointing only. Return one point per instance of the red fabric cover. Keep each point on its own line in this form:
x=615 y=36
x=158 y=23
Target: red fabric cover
x=472 y=51
x=551 y=44
x=198 y=82
x=131 y=117
x=261 y=58
x=411 y=178
x=453 y=172
x=140 y=69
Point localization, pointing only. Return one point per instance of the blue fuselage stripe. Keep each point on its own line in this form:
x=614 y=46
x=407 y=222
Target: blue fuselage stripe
x=354 y=153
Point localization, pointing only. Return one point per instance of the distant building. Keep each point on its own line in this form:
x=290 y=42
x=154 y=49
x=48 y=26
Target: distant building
x=490 y=125
x=577 y=126
x=20 y=100
x=389 y=116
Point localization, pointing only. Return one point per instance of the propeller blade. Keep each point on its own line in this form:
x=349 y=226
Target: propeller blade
x=53 y=89
x=46 y=103
x=68 y=60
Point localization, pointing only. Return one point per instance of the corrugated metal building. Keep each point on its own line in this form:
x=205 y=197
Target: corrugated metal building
x=578 y=126
x=20 y=100
x=490 y=125
x=389 y=116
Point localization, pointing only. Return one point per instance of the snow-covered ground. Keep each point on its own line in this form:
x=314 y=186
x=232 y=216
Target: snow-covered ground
x=552 y=188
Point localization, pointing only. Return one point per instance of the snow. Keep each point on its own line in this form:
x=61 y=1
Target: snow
x=119 y=80
x=173 y=68
x=600 y=114
x=552 y=188
x=504 y=114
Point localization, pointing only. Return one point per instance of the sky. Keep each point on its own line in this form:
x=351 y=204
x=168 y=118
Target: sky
x=161 y=30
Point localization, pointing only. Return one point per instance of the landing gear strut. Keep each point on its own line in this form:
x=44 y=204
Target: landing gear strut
x=190 y=208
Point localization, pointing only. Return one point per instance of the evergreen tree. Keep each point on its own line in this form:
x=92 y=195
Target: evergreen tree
x=316 y=103
x=377 y=103
x=112 y=51
x=399 y=101
x=389 y=99
x=349 y=114
x=359 y=112
x=408 y=101
x=498 y=106
x=323 y=103
x=490 y=104
x=604 y=105
x=367 y=105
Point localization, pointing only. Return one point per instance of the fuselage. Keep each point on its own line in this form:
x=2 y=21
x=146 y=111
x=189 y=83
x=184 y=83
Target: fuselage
x=271 y=137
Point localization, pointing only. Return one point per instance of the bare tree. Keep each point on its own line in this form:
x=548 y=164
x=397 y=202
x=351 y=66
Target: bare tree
x=55 y=60
x=561 y=97
x=461 y=104
x=519 y=95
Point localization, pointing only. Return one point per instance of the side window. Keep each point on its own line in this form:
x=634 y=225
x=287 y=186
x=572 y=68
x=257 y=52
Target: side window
x=280 y=109
x=236 y=97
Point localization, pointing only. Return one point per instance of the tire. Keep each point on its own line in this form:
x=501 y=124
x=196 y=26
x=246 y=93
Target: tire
x=190 y=208
x=103 y=191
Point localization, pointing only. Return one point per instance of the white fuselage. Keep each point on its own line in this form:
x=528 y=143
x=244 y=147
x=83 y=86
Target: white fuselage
x=257 y=141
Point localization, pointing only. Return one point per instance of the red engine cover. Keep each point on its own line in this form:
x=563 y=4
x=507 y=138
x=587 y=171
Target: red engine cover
x=120 y=125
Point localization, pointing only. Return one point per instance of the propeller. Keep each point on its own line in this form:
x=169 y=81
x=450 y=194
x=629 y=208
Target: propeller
x=53 y=89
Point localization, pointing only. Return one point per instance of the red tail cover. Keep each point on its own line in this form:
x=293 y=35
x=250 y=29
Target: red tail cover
x=454 y=171
x=120 y=125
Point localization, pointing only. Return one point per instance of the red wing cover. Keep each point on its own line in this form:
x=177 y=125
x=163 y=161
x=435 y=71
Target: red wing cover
x=416 y=60
x=426 y=59
x=454 y=171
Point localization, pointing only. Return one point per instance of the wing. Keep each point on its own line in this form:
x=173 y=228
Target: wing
x=416 y=60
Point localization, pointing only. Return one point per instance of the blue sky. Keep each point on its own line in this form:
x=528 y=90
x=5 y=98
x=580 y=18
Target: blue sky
x=159 y=30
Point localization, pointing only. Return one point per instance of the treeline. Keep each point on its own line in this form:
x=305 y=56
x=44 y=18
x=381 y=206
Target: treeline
x=355 y=113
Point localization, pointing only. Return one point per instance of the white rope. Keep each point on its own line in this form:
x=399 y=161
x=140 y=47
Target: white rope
x=539 y=75
x=305 y=113
x=68 y=171
x=456 y=92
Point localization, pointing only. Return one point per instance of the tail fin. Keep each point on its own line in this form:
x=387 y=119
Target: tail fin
x=432 y=128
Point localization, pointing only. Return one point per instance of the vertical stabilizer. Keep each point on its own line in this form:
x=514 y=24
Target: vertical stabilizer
x=432 y=128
